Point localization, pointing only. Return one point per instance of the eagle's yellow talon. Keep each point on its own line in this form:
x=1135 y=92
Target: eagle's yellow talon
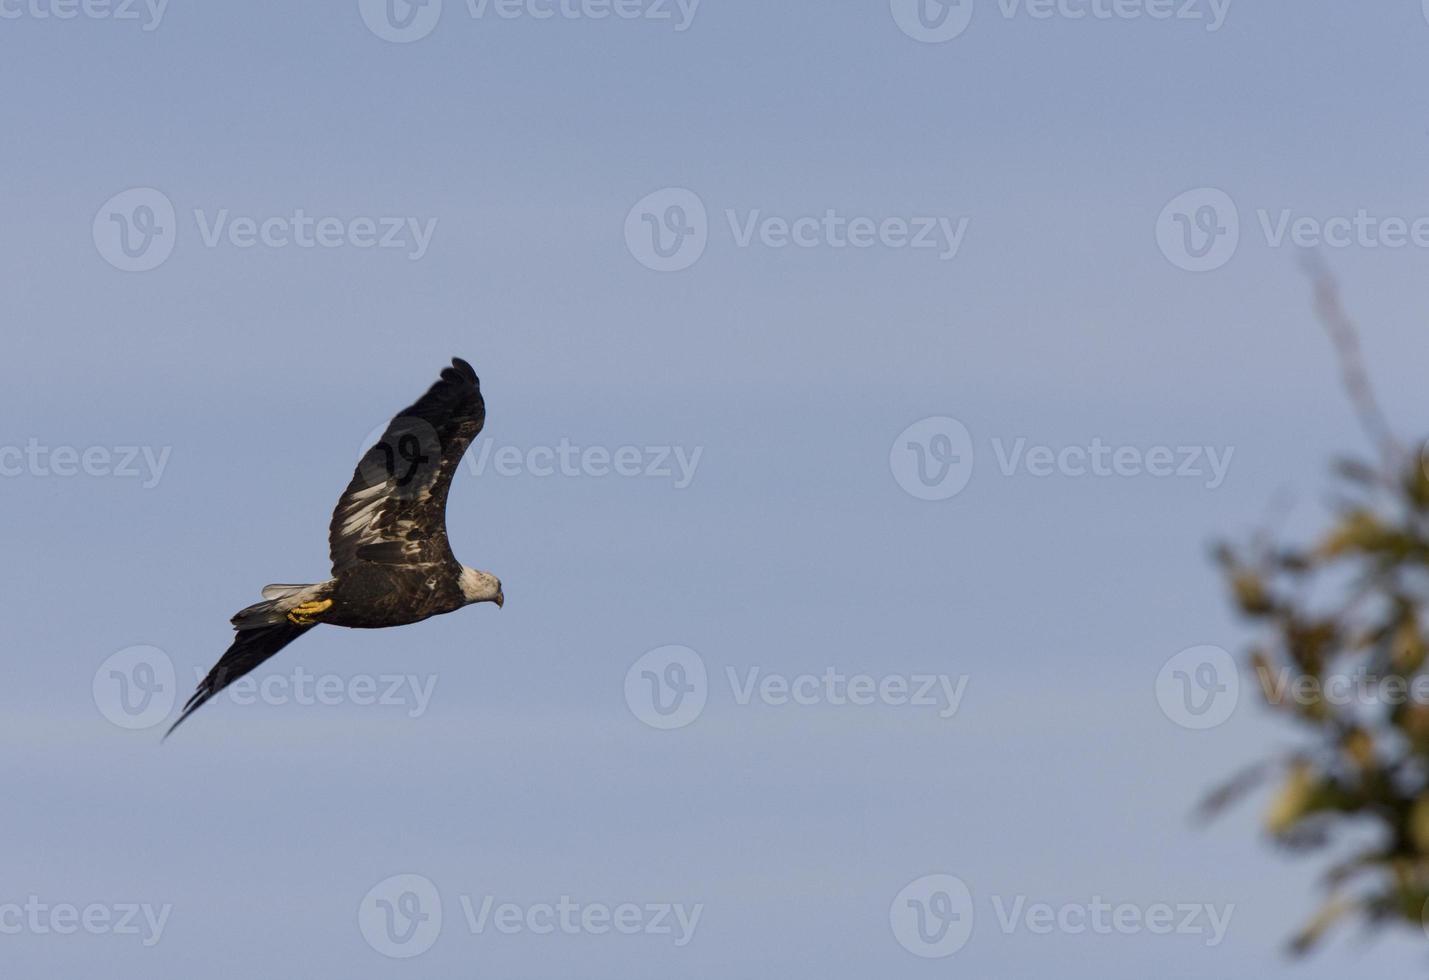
x=304 y=614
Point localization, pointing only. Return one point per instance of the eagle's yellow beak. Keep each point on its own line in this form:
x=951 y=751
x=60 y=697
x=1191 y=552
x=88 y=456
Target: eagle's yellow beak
x=500 y=599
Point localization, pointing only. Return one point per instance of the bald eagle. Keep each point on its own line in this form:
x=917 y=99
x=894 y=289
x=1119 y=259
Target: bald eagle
x=391 y=561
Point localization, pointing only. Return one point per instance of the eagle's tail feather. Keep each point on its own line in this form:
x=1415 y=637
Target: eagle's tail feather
x=278 y=601
x=249 y=649
x=282 y=591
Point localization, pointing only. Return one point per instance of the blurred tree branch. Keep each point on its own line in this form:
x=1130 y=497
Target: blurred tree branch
x=1346 y=613
x=1345 y=336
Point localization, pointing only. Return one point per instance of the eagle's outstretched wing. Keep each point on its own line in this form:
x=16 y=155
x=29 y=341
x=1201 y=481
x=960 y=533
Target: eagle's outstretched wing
x=394 y=510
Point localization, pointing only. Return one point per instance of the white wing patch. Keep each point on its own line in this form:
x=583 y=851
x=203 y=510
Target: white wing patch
x=364 y=506
x=360 y=524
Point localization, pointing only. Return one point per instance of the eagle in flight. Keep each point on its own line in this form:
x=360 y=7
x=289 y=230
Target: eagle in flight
x=391 y=561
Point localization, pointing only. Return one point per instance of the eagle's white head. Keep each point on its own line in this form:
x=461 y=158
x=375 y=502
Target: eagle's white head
x=479 y=586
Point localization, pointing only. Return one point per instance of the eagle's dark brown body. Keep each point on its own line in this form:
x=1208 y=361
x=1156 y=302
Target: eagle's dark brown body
x=375 y=596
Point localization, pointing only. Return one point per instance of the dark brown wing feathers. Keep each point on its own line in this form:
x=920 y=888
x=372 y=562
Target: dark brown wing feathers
x=394 y=510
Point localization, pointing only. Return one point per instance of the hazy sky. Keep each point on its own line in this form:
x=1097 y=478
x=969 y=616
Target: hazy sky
x=745 y=282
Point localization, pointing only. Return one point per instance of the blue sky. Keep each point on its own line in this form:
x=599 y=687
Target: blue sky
x=763 y=530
